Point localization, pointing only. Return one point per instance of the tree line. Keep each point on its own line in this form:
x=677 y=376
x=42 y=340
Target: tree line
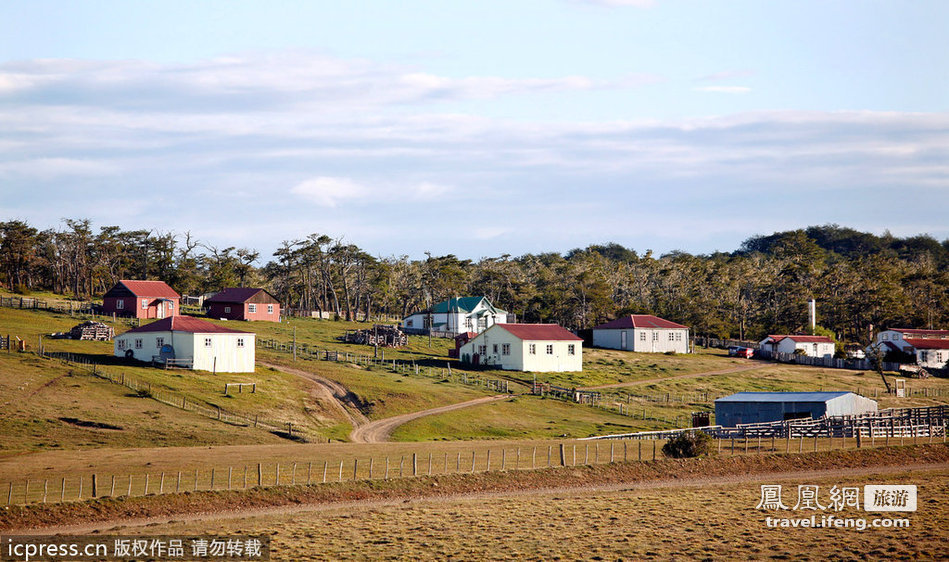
x=861 y=281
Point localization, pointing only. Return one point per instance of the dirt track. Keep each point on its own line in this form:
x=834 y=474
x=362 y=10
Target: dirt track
x=379 y=431
x=127 y=525
x=331 y=392
x=752 y=367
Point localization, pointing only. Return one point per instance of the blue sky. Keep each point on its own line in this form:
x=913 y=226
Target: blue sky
x=477 y=128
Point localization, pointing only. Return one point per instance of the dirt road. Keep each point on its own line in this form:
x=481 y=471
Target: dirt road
x=751 y=367
x=379 y=431
x=128 y=525
x=330 y=392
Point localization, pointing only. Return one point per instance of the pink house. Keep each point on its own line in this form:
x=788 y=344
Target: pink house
x=244 y=303
x=141 y=299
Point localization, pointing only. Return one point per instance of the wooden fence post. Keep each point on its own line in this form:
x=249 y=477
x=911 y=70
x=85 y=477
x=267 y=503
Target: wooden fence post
x=309 y=468
x=355 y=467
x=95 y=485
x=387 y=468
x=212 y=479
x=340 y=477
x=260 y=475
x=414 y=462
x=563 y=455
x=177 y=482
x=488 y=468
x=325 y=463
x=62 y=492
x=161 y=485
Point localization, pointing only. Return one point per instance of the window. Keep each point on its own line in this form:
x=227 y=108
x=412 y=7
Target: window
x=642 y=336
x=207 y=342
x=655 y=336
x=408 y=323
x=252 y=308
x=121 y=344
x=505 y=349
x=672 y=336
x=678 y=336
x=159 y=342
x=495 y=349
x=885 y=336
x=120 y=304
x=227 y=310
x=550 y=349
x=483 y=349
x=896 y=337
x=269 y=309
x=138 y=343
x=532 y=349
x=571 y=349
x=240 y=342
x=171 y=305
x=938 y=357
x=468 y=324
x=144 y=304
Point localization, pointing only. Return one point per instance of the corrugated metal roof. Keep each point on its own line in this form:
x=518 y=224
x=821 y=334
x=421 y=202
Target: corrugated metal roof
x=185 y=324
x=538 y=332
x=920 y=343
x=783 y=396
x=464 y=304
x=150 y=289
x=802 y=339
x=923 y=333
x=639 y=321
x=235 y=294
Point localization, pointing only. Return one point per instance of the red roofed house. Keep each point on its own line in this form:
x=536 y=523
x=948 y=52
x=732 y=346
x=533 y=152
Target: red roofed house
x=525 y=347
x=931 y=347
x=141 y=299
x=812 y=346
x=203 y=345
x=243 y=303
x=642 y=332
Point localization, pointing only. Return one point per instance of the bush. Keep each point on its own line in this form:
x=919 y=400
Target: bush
x=688 y=444
x=22 y=289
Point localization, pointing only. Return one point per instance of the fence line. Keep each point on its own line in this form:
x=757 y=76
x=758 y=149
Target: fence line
x=399 y=366
x=183 y=402
x=78 y=487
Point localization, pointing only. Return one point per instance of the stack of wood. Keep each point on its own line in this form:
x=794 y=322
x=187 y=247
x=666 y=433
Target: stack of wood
x=379 y=335
x=90 y=330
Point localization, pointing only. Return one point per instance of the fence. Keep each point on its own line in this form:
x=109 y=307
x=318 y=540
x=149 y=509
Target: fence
x=395 y=365
x=144 y=389
x=830 y=362
x=77 y=487
x=68 y=307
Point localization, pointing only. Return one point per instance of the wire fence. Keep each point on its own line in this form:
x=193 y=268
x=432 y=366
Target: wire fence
x=477 y=459
x=183 y=402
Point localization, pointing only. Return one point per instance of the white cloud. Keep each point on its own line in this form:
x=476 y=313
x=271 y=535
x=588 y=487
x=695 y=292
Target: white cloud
x=724 y=89
x=328 y=191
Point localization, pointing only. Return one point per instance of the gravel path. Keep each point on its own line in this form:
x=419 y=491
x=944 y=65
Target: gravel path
x=331 y=392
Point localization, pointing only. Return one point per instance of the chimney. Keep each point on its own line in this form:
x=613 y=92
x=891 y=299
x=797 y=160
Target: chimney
x=812 y=314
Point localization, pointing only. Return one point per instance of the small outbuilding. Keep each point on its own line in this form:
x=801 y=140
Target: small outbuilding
x=141 y=299
x=811 y=346
x=189 y=342
x=244 y=303
x=763 y=407
x=525 y=347
x=642 y=332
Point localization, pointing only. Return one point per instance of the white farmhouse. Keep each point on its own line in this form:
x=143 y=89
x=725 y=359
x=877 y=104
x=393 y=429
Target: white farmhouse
x=931 y=347
x=642 y=332
x=203 y=345
x=455 y=316
x=812 y=346
x=541 y=348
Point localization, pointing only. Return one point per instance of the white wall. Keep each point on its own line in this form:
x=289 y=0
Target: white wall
x=934 y=358
x=647 y=340
x=520 y=358
x=230 y=358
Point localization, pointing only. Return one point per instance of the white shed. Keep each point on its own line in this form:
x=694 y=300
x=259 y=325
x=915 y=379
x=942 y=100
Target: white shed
x=206 y=346
x=525 y=347
x=812 y=346
x=642 y=332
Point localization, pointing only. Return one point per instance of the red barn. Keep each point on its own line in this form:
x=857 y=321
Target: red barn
x=141 y=299
x=244 y=303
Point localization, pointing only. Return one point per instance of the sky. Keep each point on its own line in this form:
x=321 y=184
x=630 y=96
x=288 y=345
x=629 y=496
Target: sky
x=477 y=128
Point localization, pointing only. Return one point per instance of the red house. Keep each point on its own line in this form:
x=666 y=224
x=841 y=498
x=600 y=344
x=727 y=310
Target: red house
x=244 y=303
x=141 y=299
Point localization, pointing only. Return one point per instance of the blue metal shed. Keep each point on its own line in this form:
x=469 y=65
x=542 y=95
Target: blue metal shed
x=760 y=407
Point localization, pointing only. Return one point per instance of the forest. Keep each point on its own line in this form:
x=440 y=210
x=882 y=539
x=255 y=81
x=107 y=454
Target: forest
x=861 y=281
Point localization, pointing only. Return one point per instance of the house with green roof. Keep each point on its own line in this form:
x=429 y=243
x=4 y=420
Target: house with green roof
x=455 y=316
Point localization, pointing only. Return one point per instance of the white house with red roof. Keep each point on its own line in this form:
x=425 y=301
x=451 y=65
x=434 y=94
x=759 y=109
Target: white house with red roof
x=543 y=348
x=931 y=347
x=190 y=341
x=141 y=299
x=812 y=346
x=642 y=332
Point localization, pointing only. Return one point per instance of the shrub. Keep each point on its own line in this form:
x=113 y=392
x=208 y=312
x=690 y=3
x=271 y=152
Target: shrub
x=22 y=289
x=688 y=444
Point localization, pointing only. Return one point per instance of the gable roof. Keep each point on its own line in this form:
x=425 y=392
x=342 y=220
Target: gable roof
x=464 y=304
x=539 y=332
x=139 y=288
x=184 y=324
x=801 y=339
x=240 y=295
x=926 y=334
x=783 y=396
x=921 y=343
x=639 y=321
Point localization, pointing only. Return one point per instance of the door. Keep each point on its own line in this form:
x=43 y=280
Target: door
x=622 y=340
x=160 y=310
